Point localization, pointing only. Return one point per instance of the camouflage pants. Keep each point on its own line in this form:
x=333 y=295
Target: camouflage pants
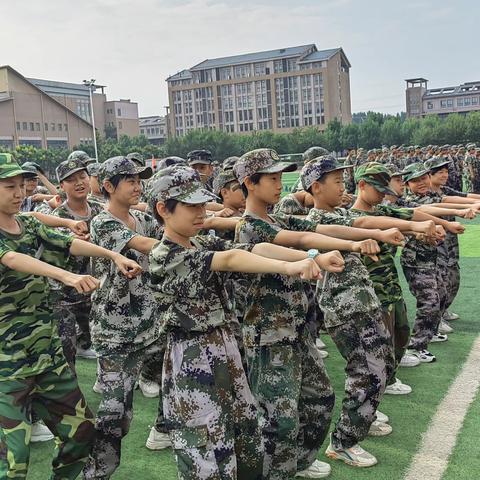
x=365 y=344
x=425 y=284
x=294 y=392
x=55 y=397
x=73 y=327
x=209 y=408
x=452 y=283
x=118 y=373
x=396 y=320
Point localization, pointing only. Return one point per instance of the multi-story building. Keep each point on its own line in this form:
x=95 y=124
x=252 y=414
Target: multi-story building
x=29 y=116
x=121 y=118
x=154 y=128
x=422 y=101
x=274 y=90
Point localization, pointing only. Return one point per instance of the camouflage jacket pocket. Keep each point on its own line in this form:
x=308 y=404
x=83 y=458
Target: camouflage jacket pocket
x=189 y=437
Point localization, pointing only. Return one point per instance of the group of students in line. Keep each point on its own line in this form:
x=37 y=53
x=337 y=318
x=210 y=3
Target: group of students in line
x=217 y=287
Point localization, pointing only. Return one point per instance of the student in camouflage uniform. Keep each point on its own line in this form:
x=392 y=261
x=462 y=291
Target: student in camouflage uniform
x=34 y=376
x=307 y=156
x=208 y=404
x=286 y=373
x=72 y=310
x=470 y=169
x=95 y=187
x=124 y=317
x=201 y=161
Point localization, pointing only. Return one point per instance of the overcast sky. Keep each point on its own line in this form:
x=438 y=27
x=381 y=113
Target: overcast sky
x=133 y=46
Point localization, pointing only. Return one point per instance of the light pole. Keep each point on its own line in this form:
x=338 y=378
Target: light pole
x=91 y=85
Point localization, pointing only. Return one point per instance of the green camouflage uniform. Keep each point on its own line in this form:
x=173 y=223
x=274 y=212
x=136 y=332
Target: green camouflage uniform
x=354 y=320
x=125 y=333
x=286 y=372
x=34 y=377
x=209 y=408
x=72 y=309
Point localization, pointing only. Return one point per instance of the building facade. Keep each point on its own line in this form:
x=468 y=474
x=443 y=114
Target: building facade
x=154 y=128
x=422 y=101
x=121 y=118
x=29 y=116
x=275 y=90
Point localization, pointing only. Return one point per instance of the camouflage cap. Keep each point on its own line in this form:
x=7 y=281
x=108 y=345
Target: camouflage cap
x=223 y=178
x=180 y=183
x=93 y=169
x=199 y=157
x=393 y=169
x=34 y=165
x=122 y=166
x=137 y=158
x=314 y=152
x=317 y=168
x=436 y=162
x=413 y=171
x=470 y=146
x=262 y=160
x=81 y=155
x=375 y=174
x=30 y=169
x=9 y=167
x=69 y=167
x=229 y=162
x=170 y=162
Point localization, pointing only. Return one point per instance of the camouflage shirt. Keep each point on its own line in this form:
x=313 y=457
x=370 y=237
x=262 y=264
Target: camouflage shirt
x=344 y=295
x=276 y=305
x=289 y=205
x=29 y=343
x=190 y=296
x=383 y=273
x=43 y=207
x=124 y=314
x=77 y=264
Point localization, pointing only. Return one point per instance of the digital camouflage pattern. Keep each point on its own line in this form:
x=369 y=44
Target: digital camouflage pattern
x=124 y=313
x=296 y=398
x=69 y=167
x=317 y=168
x=178 y=272
x=209 y=408
x=314 y=152
x=289 y=205
x=276 y=304
x=117 y=373
x=223 y=178
x=43 y=207
x=81 y=155
x=122 y=166
x=262 y=160
x=54 y=397
x=29 y=343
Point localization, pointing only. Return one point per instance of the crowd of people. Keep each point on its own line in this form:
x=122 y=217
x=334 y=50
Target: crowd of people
x=207 y=288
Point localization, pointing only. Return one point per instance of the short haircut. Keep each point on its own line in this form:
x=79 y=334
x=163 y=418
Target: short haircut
x=170 y=205
x=115 y=180
x=255 y=179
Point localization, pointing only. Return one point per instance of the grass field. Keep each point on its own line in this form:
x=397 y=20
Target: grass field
x=410 y=415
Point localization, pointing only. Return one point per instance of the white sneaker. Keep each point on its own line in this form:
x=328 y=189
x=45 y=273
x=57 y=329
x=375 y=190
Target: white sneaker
x=97 y=387
x=355 y=456
x=439 y=338
x=89 y=353
x=398 y=388
x=319 y=343
x=380 y=429
x=450 y=316
x=157 y=440
x=317 y=469
x=149 y=389
x=423 y=355
x=323 y=353
x=40 y=433
x=381 y=417
x=444 y=327
x=409 y=360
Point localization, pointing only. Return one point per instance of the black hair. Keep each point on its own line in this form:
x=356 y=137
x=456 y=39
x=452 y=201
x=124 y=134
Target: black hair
x=255 y=179
x=319 y=180
x=115 y=180
x=433 y=171
x=170 y=206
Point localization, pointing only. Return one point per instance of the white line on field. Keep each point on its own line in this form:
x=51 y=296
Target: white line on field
x=439 y=440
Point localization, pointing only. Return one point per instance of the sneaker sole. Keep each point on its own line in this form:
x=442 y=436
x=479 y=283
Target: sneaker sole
x=411 y=365
x=334 y=456
x=379 y=433
x=149 y=395
x=157 y=445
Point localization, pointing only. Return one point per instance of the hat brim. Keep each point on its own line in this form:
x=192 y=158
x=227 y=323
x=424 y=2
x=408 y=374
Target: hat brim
x=71 y=172
x=14 y=173
x=279 y=167
x=413 y=176
x=143 y=172
x=381 y=188
x=201 y=195
x=440 y=165
x=200 y=162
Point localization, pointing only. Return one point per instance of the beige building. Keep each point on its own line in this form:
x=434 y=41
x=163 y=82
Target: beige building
x=121 y=118
x=275 y=90
x=422 y=101
x=154 y=128
x=29 y=116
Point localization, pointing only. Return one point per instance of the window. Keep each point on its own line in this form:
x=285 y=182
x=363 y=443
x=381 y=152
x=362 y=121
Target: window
x=24 y=126
x=450 y=103
x=430 y=105
x=142 y=131
x=443 y=104
x=60 y=127
x=119 y=112
x=459 y=102
x=467 y=101
x=37 y=127
x=32 y=126
x=65 y=127
x=46 y=127
x=52 y=127
x=474 y=100
x=18 y=125
x=120 y=126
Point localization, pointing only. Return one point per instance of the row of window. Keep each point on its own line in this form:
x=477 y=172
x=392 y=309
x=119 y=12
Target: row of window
x=151 y=131
x=35 y=127
x=461 y=102
x=111 y=111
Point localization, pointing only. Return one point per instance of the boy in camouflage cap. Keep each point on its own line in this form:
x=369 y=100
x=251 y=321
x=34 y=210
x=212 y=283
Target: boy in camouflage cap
x=93 y=170
x=201 y=161
x=227 y=188
x=207 y=401
x=34 y=376
x=72 y=310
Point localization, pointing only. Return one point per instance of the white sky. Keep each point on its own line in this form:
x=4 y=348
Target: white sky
x=133 y=46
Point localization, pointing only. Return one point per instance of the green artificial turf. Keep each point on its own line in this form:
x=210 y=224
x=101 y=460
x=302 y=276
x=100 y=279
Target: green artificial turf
x=410 y=415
